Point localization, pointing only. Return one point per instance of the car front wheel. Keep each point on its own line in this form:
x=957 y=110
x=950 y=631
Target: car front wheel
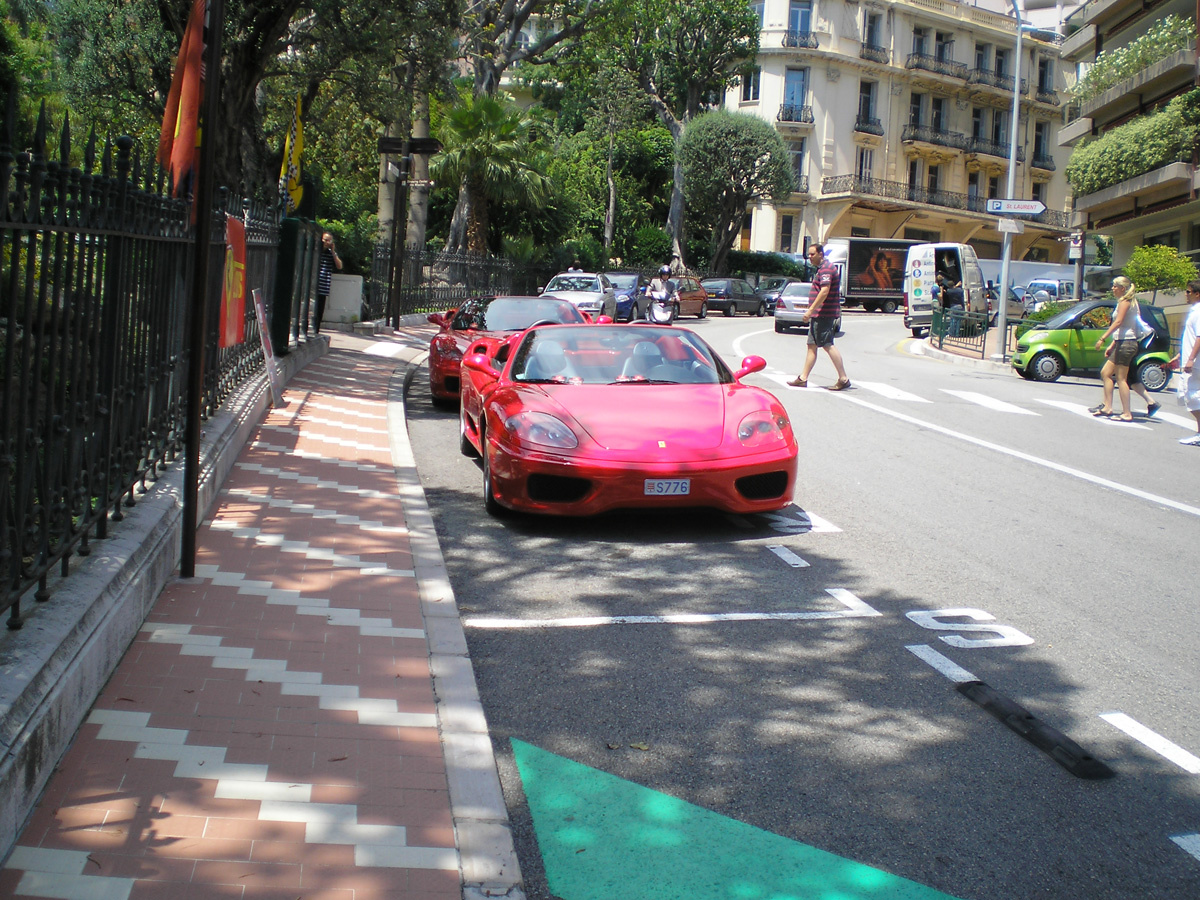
x=490 y=503
x=1046 y=367
x=1153 y=374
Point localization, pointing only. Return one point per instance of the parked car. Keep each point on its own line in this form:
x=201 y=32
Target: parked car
x=477 y=320
x=771 y=286
x=1066 y=342
x=592 y=293
x=630 y=289
x=1016 y=305
x=578 y=420
x=792 y=305
x=732 y=295
x=692 y=297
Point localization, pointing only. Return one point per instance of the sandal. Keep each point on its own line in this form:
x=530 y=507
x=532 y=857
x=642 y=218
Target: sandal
x=1098 y=408
x=1102 y=413
x=841 y=385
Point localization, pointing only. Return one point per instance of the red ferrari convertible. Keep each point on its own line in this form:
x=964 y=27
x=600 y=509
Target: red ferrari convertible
x=479 y=320
x=581 y=420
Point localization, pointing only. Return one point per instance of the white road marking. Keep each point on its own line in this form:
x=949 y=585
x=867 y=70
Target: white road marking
x=943 y=664
x=1189 y=842
x=1186 y=422
x=1029 y=457
x=803 y=522
x=1080 y=410
x=788 y=556
x=891 y=393
x=855 y=609
x=1154 y=741
x=990 y=402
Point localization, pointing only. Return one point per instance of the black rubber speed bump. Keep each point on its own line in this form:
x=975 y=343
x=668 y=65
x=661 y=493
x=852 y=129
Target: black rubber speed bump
x=1060 y=748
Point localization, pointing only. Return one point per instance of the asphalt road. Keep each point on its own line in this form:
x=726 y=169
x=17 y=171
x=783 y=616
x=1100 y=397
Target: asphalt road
x=950 y=524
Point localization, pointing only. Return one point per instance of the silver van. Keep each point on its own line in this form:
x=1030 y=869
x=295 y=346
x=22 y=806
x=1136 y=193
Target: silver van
x=957 y=262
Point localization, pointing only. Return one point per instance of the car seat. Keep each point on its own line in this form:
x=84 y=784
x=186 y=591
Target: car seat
x=644 y=359
x=549 y=359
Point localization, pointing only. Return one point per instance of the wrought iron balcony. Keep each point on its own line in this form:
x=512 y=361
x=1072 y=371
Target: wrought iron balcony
x=993 y=148
x=791 y=112
x=992 y=79
x=1043 y=161
x=933 y=64
x=906 y=193
x=795 y=37
x=1043 y=95
x=930 y=135
x=874 y=52
x=801 y=184
x=868 y=125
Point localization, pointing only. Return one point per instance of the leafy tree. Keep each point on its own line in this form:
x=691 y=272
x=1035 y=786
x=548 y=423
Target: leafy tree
x=26 y=64
x=1159 y=267
x=731 y=160
x=684 y=55
x=491 y=150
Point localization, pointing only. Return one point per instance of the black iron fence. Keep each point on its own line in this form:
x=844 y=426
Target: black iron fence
x=95 y=292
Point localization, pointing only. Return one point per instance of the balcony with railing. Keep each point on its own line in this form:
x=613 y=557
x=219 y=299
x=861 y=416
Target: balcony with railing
x=795 y=114
x=989 y=78
x=927 y=63
x=868 y=125
x=801 y=184
x=1043 y=160
x=978 y=145
x=874 y=52
x=905 y=193
x=930 y=135
x=800 y=38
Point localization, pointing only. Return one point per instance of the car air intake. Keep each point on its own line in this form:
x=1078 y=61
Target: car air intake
x=557 y=488
x=452 y=384
x=764 y=486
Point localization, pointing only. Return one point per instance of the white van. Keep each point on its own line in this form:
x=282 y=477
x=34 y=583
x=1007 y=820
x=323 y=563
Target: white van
x=957 y=262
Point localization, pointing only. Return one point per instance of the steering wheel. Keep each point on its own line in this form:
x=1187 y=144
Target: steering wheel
x=544 y=322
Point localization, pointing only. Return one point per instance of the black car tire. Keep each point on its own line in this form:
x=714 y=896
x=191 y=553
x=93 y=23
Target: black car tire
x=1046 y=366
x=490 y=503
x=762 y=309
x=780 y=328
x=920 y=332
x=703 y=314
x=890 y=306
x=1154 y=375
x=729 y=310
x=869 y=307
x=464 y=444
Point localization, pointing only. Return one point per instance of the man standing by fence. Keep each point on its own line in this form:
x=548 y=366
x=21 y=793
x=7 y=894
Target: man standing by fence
x=329 y=261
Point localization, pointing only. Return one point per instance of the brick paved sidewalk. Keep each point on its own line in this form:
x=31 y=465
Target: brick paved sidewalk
x=273 y=731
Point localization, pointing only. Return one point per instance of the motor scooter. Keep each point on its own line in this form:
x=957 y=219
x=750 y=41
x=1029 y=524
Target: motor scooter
x=661 y=310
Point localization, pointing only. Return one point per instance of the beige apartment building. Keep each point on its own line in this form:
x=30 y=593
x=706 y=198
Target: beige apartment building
x=898 y=116
x=1161 y=205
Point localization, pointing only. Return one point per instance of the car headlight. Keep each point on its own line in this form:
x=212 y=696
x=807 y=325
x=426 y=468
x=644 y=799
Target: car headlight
x=447 y=347
x=762 y=428
x=542 y=429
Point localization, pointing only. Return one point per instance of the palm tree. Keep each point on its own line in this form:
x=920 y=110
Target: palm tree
x=490 y=150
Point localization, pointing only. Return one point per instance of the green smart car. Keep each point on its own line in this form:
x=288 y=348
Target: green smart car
x=1067 y=343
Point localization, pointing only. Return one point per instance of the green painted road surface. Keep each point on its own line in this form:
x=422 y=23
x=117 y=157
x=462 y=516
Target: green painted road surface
x=603 y=837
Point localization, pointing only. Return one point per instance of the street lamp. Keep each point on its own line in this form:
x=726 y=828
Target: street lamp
x=1011 y=186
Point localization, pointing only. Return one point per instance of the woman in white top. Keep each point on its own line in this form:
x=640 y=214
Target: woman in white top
x=1122 y=351
x=1189 y=349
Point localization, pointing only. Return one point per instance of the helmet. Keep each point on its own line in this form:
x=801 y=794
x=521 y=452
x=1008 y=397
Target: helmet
x=664 y=271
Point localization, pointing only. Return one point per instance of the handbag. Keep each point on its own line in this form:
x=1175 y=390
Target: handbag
x=1143 y=332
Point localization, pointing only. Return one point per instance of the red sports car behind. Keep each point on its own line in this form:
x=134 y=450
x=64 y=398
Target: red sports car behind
x=481 y=319
x=578 y=421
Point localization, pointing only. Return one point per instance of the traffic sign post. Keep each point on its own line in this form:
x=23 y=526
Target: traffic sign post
x=1000 y=207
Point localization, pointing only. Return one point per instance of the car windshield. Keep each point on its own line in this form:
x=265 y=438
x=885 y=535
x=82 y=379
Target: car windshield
x=518 y=313
x=574 y=283
x=797 y=289
x=773 y=284
x=1068 y=316
x=623 y=282
x=624 y=354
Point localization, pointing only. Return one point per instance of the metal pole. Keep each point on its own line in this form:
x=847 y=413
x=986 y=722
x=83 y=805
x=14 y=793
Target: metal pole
x=1006 y=254
x=197 y=318
x=399 y=214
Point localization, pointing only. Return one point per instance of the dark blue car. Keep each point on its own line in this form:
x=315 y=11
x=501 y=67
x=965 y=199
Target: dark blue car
x=630 y=288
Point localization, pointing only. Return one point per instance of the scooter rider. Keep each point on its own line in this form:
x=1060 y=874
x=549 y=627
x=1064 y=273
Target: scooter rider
x=660 y=293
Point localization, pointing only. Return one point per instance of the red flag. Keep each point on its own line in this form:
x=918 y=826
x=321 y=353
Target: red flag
x=180 y=136
x=233 y=291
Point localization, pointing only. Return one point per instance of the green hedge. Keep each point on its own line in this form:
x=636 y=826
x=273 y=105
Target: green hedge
x=1114 y=66
x=1137 y=147
x=764 y=264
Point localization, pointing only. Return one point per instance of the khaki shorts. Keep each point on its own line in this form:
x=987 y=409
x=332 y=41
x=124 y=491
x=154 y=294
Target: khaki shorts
x=1123 y=352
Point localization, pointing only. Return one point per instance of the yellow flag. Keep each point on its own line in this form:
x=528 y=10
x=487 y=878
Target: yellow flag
x=289 y=173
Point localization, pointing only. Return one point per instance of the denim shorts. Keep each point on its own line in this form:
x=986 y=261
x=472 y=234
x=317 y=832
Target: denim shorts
x=821 y=332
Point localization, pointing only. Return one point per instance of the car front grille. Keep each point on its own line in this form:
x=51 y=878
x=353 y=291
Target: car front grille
x=557 y=488
x=764 y=486
x=452 y=383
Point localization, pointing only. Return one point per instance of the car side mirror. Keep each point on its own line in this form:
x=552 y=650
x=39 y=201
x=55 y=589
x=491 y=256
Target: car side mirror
x=750 y=365
x=436 y=318
x=481 y=363
x=604 y=320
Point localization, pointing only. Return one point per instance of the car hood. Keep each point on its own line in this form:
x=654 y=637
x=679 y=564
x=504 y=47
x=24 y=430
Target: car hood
x=576 y=297
x=642 y=419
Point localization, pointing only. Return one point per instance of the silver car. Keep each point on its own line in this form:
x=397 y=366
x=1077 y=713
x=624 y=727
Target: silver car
x=591 y=293
x=792 y=305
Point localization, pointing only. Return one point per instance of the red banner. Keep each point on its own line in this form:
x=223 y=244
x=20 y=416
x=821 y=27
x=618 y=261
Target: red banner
x=233 y=288
x=180 y=136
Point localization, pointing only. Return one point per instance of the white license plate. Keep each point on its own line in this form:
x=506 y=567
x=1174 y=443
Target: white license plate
x=668 y=487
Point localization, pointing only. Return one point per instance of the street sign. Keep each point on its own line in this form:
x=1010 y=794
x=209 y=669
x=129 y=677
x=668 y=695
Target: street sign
x=1010 y=226
x=1015 y=207
x=1076 y=249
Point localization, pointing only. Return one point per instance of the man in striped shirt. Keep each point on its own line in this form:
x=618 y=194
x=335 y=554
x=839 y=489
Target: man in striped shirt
x=824 y=310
